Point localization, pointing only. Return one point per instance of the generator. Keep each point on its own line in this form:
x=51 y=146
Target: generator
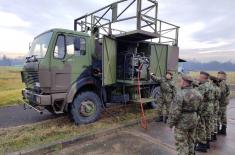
x=130 y=63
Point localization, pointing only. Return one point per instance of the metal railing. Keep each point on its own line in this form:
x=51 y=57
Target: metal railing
x=101 y=21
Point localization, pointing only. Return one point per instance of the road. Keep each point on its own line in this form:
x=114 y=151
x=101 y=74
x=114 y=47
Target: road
x=16 y=116
x=158 y=139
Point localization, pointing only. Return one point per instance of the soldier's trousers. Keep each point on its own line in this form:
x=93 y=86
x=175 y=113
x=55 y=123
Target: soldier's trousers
x=201 y=131
x=160 y=107
x=223 y=115
x=209 y=125
x=185 y=141
x=216 y=117
x=163 y=107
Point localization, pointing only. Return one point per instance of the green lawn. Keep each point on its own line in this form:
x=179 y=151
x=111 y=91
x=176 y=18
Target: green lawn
x=10 y=85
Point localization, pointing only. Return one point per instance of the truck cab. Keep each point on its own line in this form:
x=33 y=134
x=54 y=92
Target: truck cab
x=57 y=59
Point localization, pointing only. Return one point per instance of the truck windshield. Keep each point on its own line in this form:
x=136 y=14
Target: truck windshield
x=40 y=45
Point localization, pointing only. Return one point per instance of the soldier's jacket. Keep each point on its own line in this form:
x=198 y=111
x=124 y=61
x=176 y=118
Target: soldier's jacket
x=217 y=96
x=217 y=92
x=207 y=91
x=184 y=108
x=225 y=91
x=167 y=87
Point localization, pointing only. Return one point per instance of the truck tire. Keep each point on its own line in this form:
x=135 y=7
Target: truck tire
x=155 y=94
x=86 y=108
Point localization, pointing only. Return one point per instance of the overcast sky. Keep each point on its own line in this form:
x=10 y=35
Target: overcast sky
x=207 y=26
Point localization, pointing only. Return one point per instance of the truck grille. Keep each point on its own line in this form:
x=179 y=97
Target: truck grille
x=30 y=78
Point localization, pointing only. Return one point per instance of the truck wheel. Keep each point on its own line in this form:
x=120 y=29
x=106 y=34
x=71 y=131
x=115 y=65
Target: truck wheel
x=86 y=108
x=155 y=94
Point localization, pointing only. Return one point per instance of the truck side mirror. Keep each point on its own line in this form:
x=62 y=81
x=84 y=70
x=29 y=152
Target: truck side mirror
x=30 y=45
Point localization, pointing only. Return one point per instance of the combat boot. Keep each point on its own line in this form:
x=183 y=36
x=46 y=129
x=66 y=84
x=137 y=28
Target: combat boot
x=165 y=118
x=159 y=119
x=218 y=129
x=223 y=130
x=208 y=144
x=200 y=147
x=213 y=137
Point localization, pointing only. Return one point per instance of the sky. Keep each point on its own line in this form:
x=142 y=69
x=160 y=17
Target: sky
x=206 y=26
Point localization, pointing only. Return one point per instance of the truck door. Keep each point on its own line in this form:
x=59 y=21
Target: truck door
x=70 y=59
x=158 y=59
x=173 y=57
x=109 y=58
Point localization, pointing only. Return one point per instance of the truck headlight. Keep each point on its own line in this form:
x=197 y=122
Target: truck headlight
x=37 y=84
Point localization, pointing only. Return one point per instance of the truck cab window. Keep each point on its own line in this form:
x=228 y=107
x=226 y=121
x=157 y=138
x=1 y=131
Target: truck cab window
x=76 y=45
x=59 y=51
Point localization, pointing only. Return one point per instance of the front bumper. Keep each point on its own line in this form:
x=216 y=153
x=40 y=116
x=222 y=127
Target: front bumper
x=36 y=99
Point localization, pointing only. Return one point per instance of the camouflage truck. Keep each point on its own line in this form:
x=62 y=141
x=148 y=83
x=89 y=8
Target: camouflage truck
x=79 y=71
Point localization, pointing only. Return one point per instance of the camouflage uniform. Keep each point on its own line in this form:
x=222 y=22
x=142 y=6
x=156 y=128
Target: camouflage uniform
x=184 y=117
x=205 y=123
x=216 y=108
x=224 y=101
x=168 y=91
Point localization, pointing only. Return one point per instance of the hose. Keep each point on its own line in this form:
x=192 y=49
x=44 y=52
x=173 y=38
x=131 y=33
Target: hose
x=143 y=120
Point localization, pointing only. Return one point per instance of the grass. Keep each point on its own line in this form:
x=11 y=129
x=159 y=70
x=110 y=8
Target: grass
x=10 y=85
x=25 y=137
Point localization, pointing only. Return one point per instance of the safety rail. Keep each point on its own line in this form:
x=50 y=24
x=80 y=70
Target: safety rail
x=102 y=21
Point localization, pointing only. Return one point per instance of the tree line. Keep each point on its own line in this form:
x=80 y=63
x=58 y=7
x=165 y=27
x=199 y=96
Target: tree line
x=209 y=66
x=6 y=61
x=188 y=66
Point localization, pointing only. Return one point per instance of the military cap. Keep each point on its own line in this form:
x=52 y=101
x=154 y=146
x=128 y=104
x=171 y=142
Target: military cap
x=205 y=73
x=222 y=72
x=187 y=78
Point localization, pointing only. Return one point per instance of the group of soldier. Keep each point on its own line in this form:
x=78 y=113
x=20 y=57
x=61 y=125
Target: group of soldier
x=196 y=108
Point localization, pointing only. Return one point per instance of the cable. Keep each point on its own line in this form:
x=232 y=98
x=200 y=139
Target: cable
x=143 y=120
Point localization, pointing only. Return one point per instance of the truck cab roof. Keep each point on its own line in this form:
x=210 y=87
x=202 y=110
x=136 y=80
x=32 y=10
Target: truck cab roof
x=60 y=30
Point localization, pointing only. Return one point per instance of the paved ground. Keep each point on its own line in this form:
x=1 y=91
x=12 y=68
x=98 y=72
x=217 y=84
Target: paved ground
x=16 y=115
x=157 y=140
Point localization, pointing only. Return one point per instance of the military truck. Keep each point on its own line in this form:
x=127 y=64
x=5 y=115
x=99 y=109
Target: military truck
x=79 y=71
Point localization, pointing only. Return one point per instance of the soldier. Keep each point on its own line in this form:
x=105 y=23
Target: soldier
x=183 y=115
x=168 y=91
x=205 y=123
x=224 y=101
x=216 y=106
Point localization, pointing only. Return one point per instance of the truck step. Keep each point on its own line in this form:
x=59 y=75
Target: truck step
x=143 y=100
